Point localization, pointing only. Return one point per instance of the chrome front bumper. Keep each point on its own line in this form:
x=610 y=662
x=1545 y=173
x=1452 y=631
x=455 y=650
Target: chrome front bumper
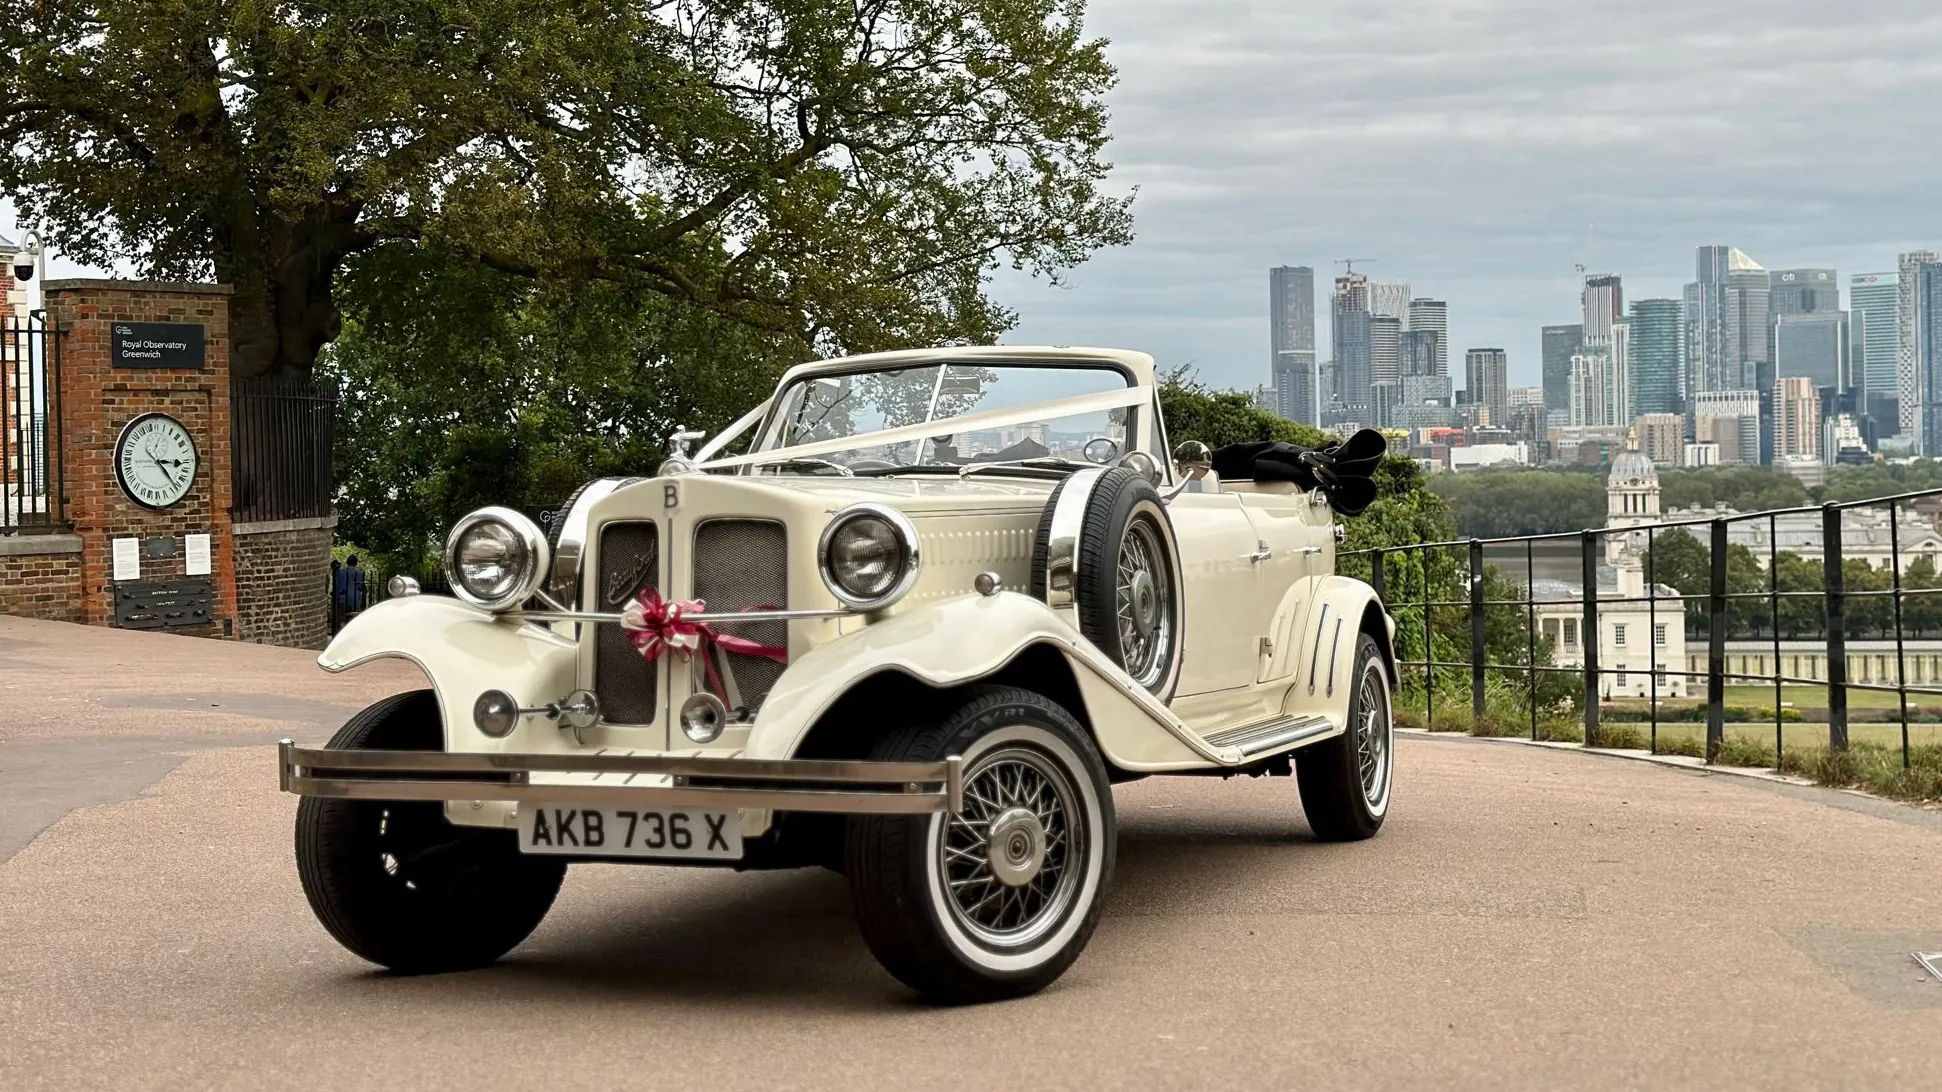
x=869 y=788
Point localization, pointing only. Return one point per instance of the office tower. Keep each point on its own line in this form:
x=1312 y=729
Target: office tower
x=1803 y=291
x=1486 y=378
x=1875 y=302
x=1421 y=352
x=1559 y=344
x=1618 y=373
x=1521 y=397
x=1731 y=419
x=1907 y=381
x=1603 y=300
x=1385 y=349
x=1813 y=345
x=1391 y=300
x=1843 y=442
x=1432 y=316
x=1425 y=402
x=1349 y=332
x=1291 y=336
x=1730 y=299
x=1797 y=418
x=1591 y=386
x=1922 y=285
x=1661 y=437
x=1657 y=356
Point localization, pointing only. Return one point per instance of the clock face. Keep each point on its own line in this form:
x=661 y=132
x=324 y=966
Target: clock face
x=155 y=460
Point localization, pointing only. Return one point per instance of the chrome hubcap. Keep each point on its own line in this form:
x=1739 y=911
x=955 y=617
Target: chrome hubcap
x=1140 y=604
x=1016 y=846
x=1012 y=863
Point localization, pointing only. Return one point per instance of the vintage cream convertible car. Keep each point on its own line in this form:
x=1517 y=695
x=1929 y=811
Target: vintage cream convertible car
x=938 y=604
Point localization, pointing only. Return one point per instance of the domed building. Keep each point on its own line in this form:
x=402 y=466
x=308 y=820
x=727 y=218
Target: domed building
x=1632 y=500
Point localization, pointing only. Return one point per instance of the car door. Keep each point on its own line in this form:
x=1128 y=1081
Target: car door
x=1221 y=584
x=1295 y=535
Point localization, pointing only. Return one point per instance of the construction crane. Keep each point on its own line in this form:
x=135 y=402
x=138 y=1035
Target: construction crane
x=1348 y=264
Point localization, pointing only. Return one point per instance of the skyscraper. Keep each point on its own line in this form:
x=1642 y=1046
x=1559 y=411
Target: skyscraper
x=1908 y=383
x=1925 y=331
x=1349 y=332
x=1559 y=343
x=1603 y=300
x=1797 y=418
x=1486 y=379
x=1421 y=352
x=1731 y=294
x=1385 y=364
x=1803 y=291
x=1812 y=345
x=1291 y=337
x=1432 y=316
x=1591 y=385
x=1657 y=355
x=1389 y=299
x=1875 y=304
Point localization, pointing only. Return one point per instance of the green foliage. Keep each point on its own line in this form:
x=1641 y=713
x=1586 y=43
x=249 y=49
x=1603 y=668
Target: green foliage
x=1194 y=411
x=1849 y=483
x=840 y=174
x=1685 y=746
x=1621 y=737
x=463 y=386
x=1502 y=503
x=1742 y=488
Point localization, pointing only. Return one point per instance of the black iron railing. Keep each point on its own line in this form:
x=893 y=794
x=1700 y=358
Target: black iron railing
x=1750 y=586
x=281 y=431
x=31 y=476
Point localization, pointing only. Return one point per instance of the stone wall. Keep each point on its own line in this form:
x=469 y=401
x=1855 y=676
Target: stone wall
x=282 y=578
x=40 y=577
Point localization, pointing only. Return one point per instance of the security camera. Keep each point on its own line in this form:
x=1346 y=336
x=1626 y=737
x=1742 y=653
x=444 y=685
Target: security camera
x=23 y=267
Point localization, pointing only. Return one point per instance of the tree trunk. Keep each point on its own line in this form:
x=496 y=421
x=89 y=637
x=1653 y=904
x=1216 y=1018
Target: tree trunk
x=283 y=313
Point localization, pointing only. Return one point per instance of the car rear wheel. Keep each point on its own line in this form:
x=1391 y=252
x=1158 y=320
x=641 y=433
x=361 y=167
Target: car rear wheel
x=397 y=884
x=998 y=901
x=1346 y=781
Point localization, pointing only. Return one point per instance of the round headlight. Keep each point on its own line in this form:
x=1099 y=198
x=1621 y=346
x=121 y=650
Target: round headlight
x=869 y=556
x=495 y=558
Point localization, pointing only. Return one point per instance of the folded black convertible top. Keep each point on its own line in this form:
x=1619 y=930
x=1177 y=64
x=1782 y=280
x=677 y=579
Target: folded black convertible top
x=1341 y=470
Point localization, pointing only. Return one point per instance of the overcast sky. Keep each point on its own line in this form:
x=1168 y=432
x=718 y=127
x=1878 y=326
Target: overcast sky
x=1470 y=145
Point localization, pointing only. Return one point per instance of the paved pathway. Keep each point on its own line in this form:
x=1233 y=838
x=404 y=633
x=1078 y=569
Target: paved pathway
x=1528 y=919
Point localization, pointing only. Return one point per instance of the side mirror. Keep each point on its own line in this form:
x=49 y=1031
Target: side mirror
x=1193 y=459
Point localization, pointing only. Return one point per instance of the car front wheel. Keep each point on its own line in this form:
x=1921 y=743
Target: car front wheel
x=998 y=901
x=397 y=884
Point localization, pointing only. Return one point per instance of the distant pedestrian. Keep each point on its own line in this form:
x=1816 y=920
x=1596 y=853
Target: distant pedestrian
x=354 y=579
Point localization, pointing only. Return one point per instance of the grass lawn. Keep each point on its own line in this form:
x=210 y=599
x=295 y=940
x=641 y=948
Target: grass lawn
x=1803 y=736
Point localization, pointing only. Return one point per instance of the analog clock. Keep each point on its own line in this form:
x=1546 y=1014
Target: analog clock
x=155 y=460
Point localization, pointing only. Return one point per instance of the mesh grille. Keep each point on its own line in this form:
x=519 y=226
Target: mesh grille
x=630 y=559
x=738 y=564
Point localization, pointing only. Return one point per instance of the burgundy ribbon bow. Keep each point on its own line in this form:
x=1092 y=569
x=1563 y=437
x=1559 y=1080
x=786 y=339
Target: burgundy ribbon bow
x=656 y=626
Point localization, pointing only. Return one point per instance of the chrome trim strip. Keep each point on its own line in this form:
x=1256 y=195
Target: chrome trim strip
x=564 y=581
x=1334 y=646
x=1264 y=737
x=1315 y=653
x=1062 y=546
x=854 y=802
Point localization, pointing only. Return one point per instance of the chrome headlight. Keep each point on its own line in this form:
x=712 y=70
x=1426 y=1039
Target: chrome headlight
x=869 y=556
x=495 y=558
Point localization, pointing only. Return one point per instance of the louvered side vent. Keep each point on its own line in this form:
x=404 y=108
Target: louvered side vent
x=739 y=564
x=630 y=559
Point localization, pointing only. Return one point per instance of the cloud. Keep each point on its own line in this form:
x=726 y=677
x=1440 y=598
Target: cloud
x=1470 y=145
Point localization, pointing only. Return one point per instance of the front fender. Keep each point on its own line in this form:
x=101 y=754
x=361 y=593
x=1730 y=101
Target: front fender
x=1343 y=609
x=960 y=641
x=464 y=651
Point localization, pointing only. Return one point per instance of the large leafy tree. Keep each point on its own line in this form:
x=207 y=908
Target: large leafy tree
x=837 y=174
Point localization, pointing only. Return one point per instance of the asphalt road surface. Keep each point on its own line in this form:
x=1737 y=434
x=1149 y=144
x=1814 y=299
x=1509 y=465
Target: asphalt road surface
x=1527 y=919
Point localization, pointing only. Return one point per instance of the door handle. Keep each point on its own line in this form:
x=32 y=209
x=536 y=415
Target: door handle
x=1262 y=554
x=1309 y=550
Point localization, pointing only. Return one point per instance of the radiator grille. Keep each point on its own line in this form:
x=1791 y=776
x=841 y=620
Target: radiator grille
x=739 y=564
x=630 y=559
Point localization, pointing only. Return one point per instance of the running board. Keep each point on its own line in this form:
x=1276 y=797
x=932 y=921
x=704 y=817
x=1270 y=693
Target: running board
x=1271 y=736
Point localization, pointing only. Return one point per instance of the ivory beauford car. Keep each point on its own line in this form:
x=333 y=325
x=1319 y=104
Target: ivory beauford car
x=910 y=619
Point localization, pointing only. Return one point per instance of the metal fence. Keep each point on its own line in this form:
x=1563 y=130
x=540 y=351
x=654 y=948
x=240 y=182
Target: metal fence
x=281 y=431
x=31 y=476
x=353 y=591
x=1439 y=594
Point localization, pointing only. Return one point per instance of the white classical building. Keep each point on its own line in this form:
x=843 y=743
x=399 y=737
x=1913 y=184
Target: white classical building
x=1637 y=638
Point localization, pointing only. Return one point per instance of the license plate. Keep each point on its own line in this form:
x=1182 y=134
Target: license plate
x=629 y=832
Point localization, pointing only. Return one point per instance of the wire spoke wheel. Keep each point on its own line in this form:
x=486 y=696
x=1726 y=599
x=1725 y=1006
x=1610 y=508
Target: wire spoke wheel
x=1373 y=737
x=1142 y=602
x=1012 y=862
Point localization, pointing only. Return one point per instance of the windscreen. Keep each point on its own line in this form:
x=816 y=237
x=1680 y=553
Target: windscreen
x=840 y=406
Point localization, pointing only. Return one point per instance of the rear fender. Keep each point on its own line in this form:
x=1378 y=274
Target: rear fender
x=1343 y=610
x=464 y=651
x=964 y=640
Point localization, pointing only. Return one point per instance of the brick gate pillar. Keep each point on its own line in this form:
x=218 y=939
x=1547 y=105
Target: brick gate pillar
x=100 y=395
